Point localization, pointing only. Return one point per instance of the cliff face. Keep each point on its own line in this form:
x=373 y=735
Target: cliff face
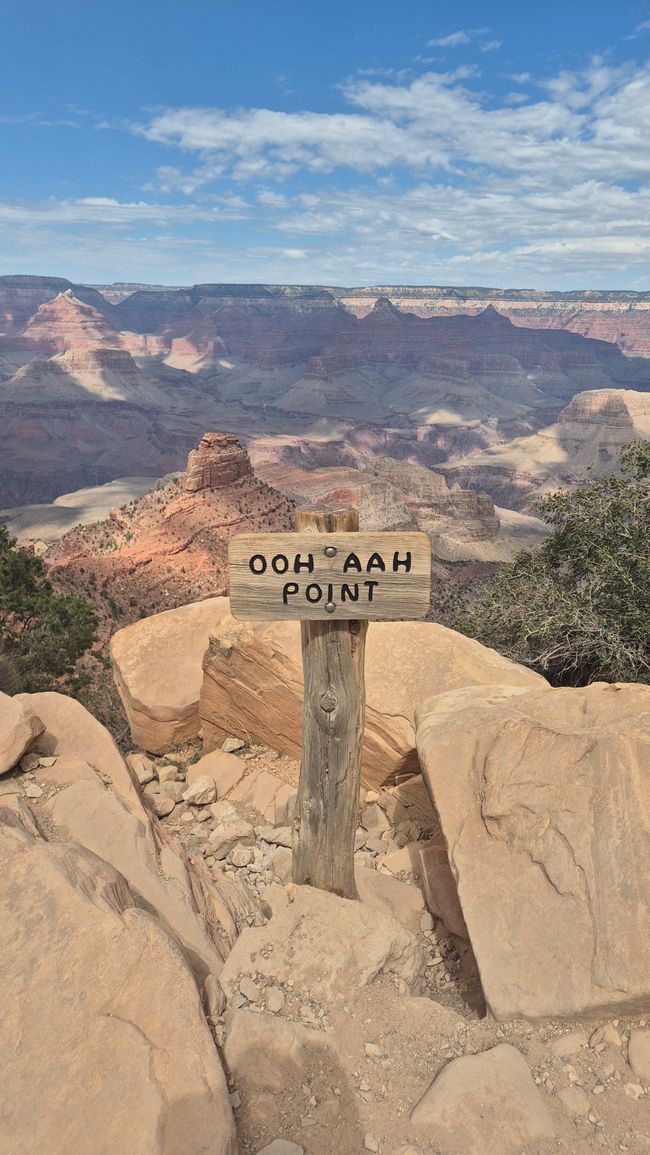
x=170 y=546
x=589 y=434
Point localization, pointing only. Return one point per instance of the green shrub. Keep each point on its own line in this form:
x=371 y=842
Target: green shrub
x=578 y=608
x=42 y=633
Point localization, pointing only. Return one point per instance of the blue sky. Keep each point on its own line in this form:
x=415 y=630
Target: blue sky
x=340 y=142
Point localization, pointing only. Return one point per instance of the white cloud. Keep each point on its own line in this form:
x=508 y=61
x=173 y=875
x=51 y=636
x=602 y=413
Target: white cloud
x=294 y=254
x=453 y=40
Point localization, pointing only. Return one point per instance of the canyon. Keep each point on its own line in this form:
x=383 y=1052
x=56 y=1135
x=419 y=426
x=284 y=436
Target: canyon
x=99 y=384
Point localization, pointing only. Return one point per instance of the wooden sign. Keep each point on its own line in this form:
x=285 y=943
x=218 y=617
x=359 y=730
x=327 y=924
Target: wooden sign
x=338 y=577
x=333 y=580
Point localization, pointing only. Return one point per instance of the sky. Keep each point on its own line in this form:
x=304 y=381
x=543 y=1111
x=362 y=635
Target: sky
x=335 y=142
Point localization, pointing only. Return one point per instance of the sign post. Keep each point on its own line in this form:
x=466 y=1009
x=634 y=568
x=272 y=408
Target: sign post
x=333 y=586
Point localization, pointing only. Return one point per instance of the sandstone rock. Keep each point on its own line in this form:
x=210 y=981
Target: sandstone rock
x=570 y=1044
x=328 y=946
x=224 y=769
x=253 y=685
x=157 y=670
x=231 y=745
x=230 y=830
x=74 y=735
x=219 y=460
x=265 y=1053
x=258 y=790
x=284 y=805
x=540 y=795
x=400 y=900
x=162 y=805
x=491 y=1094
x=142 y=767
x=89 y=815
x=201 y=792
x=106 y=1054
x=638 y=1054
x=167 y=773
x=440 y=886
x=19 y=728
x=574 y=1100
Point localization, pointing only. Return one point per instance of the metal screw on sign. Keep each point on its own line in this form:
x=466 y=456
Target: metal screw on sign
x=333 y=593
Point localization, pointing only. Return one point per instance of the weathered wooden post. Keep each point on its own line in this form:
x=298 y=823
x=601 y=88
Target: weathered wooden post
x=333 y=712
x=333 y=586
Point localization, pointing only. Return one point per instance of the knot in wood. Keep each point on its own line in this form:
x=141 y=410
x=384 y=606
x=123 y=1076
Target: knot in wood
x=328 y=701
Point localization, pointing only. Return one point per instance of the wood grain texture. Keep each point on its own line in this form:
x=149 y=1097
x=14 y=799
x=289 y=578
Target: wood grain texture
x=287 y=576
x=325 y=818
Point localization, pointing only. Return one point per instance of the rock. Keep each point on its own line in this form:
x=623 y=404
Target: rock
x=275 y=835
x=282 y=863
x=167 y=772
x=20 y=726
x=258 y=790
x=162 y=805
x=30 y=762
x=638 y=1054
x=370 y=1143
x=157 y=671
x=574 y=1100
x=142 y=767
x=224 y=769
x=74 y=736
x=284 y=805
x=47 y=762
x=605 y=1036
x=264 y=1053
x=374 y=819
x=91 y=816
x=230 y=830
x=633 y=1090
x=107 y=1053
x=214 y=997
x=253 y=685
x=492 y=1093
x=201 y=792
x=404 y=861
x=281 y=1147
x=172 y=790
x=570 y=1044
x=31 y=790
x=249 y=990
x=398 y=899
x=240 y=856
x=540 y=795
x=439 y=884
x=328 y=946
x=274 y=1000
x=231 y=745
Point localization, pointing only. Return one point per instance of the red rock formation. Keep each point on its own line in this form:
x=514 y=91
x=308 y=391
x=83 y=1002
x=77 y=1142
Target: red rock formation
x=67 y=323
x=170 y=546
x=220 y=460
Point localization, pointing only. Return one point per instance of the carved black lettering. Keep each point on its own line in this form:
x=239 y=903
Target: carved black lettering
x=350 y=593
x=376 y=561
x=371 y=589
x=402 y=561
x=280 y=563
x=352 y=562
x=257 y=564
x=288 y=588
x=316 y=595
x=299 y=564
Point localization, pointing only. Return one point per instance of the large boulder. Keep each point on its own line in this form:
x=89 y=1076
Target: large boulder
x=105 y=1046
x=541 y=796
x=253 y=685
x=485 y=1102
x=325 y=947
x=19 y=728
x=157 y=670
x=72 y=734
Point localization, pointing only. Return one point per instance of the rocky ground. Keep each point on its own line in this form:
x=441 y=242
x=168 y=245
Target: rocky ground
x=339 y=1063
